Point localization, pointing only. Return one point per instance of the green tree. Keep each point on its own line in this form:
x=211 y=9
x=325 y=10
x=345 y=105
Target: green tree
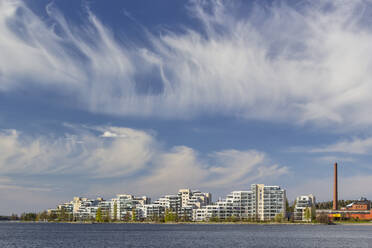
x=43 y=216
x=307 y=214
x=313 y=213
x=115 y=212
x=106 y=216
x=52 y=216
x=170 y=216
x=63 y=215
x=28 y=216
x=287 y=207
x=126 y=217
x=279 y=217
x=214 y=219
x=184 y=217
x=134 y=215
x=99 y=215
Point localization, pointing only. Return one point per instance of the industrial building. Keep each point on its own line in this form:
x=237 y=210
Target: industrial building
x=358 y=210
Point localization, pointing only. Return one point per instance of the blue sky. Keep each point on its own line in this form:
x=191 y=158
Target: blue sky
x=146 y=97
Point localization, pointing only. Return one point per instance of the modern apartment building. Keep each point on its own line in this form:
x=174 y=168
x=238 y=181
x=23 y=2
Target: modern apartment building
x=87 y=208
x=304 y=208
x=260 y=203
x=185 y=195
x=123 y=205
x=268 y=201
x=194 y=198
x=151 y=212
x=172 y=202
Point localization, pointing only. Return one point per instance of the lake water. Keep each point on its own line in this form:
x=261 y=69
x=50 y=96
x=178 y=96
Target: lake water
x=154 y=235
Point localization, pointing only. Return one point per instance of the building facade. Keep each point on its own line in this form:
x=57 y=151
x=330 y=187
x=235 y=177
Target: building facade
x=304 y=209
x=260 y=203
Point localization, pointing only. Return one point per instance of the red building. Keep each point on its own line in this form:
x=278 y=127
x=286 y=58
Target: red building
x=360 y=209
x=362 y=204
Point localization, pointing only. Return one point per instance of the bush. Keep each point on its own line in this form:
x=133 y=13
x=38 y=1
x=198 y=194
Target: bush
x=323 y=218
x=279 y=218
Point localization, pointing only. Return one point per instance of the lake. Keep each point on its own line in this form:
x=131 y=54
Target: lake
x=53 y=235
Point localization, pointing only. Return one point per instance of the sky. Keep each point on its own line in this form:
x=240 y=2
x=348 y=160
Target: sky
x=144 y=97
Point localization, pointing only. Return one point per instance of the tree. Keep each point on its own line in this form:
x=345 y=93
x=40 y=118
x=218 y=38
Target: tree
x=307 y=214
x=106 y=216
x=234 y=218
x=115 y=212
x=52 y=216
x=287 y=207
x=127 y=217
x=279 y=217
x=323 y=218
x=28 y=216
x=14 y=217
x=43 y=216
x=214 y=219
x=99 y=215
x=313 y=213
x=185 y=217
x=63 y=216
x=170 y=216
x=134 y=215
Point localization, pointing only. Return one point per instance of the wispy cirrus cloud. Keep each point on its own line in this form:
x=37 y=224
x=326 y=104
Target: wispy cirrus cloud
x=307 y=63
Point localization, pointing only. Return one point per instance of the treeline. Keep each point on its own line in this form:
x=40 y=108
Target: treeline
x=42 y=216
x=104 y=217
x=329 y=204
x=9 y=218
x=2 y=218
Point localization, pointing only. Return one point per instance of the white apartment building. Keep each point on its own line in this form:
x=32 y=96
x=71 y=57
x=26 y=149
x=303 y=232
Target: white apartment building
x=268 y=201
x=151 y=212
x=87 y=208
x=185 y=195
x=304 y=203
x=125 y=204
x=172 y=202
x=236 y=205
x=194 y=198
x=260 y=203
x=181 y=204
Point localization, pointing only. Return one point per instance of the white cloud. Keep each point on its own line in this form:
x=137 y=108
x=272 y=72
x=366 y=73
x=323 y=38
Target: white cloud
x=276 y=63
x=130 y=151
x=132 y=157
x=354 y=146
x=86 y=154
x=183 y=167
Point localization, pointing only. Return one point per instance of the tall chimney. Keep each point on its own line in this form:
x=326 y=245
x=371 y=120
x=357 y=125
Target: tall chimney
x=335 y=189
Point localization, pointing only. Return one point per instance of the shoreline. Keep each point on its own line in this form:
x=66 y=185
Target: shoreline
x=182 y=223
x=192 y=223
